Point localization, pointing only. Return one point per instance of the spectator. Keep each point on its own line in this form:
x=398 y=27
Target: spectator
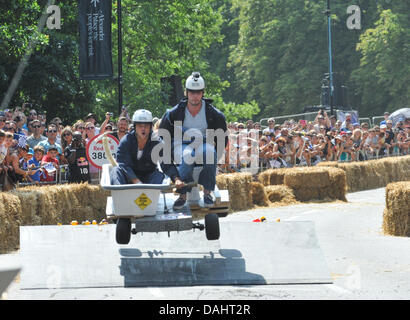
x=333 y=120
x=90 y=132
x=75 y=153
x=2 y=120
x=51 y=140
x=80 y=126
x=34 y=165
x=122 y=128
x=386 y=117
x=21 y=154
x=36 y=136
x=91 y=117
x=66 y=137
x=32 y=115
x=9 y=114
x=50 y=164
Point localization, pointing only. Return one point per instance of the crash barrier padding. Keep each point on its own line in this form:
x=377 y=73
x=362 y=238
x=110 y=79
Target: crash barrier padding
x=48 y=205
x=239 y=188
x=373 y=174
x=396 y=215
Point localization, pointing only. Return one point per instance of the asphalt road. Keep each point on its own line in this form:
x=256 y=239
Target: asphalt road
x=364 y=263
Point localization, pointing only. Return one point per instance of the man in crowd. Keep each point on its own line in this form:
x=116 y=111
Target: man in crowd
x=122 y=128
x=192 y=116
x=36 y=137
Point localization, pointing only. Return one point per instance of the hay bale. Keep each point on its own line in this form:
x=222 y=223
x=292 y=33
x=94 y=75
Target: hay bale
x=239 y=187
x=396 y=215
x=62 y=203
x=317 y=183
x=259 y=197
x=272 y=176
x=373 y=173
x=10 y=220
x=280 y=195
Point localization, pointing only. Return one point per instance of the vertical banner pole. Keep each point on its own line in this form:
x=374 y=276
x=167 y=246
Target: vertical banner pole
x=120 y=81
x=330 y=57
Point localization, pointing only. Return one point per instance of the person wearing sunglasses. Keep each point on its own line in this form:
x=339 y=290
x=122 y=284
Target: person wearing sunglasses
x=36 y=137
x=51 y=139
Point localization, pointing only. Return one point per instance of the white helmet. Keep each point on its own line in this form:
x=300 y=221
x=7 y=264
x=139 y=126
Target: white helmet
x=142 y=116
x=195 y=82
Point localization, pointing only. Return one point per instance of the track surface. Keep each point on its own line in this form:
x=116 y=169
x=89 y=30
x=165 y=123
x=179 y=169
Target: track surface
x=364 y=263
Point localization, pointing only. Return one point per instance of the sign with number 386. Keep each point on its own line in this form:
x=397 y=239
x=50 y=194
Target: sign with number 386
x=95 y=150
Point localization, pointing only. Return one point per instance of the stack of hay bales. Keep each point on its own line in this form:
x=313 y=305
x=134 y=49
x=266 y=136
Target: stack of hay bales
x=373 y=174
x=396 y=215
x=49 y=205
x=280 y=195
x=317 y=183
x=239 y=186
x=10 y=219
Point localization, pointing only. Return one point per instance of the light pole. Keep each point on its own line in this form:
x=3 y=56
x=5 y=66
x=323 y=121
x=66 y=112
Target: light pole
x=329 y=34
x=119 y=56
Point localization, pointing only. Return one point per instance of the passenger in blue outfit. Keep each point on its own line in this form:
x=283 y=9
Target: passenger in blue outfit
x=134 y=156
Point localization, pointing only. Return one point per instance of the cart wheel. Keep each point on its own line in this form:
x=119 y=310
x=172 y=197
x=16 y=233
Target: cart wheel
x=212 y=226
x=123 y=231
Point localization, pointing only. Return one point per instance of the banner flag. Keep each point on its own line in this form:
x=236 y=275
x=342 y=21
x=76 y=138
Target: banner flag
x=95 y=39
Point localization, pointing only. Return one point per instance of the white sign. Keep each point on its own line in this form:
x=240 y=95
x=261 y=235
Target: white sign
x=95 y=150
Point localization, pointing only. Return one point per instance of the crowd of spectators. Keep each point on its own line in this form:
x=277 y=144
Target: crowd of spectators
x=33 y=148
x=306 y=143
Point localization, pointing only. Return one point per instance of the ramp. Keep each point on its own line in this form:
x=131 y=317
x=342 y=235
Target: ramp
x=247 y=253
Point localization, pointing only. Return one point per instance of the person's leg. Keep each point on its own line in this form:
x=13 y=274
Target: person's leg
x=155 y=177
x=186 y=168
x=207 y=177
x=117 y=176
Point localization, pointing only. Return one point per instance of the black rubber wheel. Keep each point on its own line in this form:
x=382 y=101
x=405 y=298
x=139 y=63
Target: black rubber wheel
x=123 y=231
x=212 y=226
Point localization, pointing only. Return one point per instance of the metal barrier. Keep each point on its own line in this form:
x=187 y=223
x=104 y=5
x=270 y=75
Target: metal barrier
x=310 y=116
x=375 y=119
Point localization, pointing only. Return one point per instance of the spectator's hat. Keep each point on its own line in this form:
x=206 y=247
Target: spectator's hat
x=53 y=147
x=30 y=151
x=91 y=115
x=338 y=137
x=348 y=132
x=383 y=126
x=387 y=113
x=342 y=133
x=356 y=124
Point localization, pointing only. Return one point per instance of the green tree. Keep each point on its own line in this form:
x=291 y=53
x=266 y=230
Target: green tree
x=384 y=75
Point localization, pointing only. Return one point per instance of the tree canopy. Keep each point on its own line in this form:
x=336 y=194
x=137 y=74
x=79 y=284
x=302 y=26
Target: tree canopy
x=259 y=58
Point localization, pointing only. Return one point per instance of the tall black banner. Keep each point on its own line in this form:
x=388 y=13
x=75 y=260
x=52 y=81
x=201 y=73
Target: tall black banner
x=95 y=39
